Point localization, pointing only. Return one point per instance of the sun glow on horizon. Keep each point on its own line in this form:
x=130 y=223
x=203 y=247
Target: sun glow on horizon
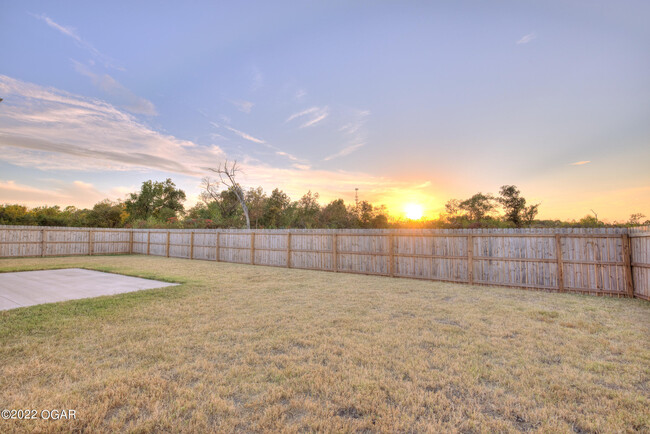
x=413 y=211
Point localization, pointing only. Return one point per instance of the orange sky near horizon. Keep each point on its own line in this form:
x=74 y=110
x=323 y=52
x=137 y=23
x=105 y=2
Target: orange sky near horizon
x=611 y=206
x=614 y=205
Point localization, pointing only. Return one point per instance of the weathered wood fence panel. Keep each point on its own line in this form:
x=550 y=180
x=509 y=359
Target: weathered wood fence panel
x=22 y=241
x=593 y=261
x=17 y=242
x=313 y=251
x=140 y=241
x=640 y=255
x=431 y=257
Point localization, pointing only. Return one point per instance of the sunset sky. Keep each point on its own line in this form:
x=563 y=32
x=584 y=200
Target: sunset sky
x=411 y=102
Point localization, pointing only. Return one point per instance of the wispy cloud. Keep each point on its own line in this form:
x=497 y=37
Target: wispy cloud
x=70 y=32
x=122 y=96
x=244 y=135
x=302 y=113
x=289 y=156
x=315 y=120
x=354 y=133
x=216 y=136
x=345 y=151
x=313 y=116
x=50 y=129
x=253 y=139
x=526 y=39
x=257 y=79
x=580 y=163
x=243 y=106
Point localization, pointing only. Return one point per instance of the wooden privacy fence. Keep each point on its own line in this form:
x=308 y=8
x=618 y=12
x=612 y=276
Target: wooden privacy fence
x=612 y=262
x=640 y=261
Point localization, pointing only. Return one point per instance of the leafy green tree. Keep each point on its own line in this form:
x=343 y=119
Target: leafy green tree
x=228 y=177
x=365 y=216
x=48 y=216
x=158 y=200
x=306 y=212
x=14 y=215
x=106 y=214
x=636 y=219
x=222 y=207
x=452 y=207
x=73 y=216
x=471 y=213
x=515 y=207
x=276 y=210
x=335 y=215
x=589 y=221
x=380 y=218
x=476 y=207
x=256 y=202
x=198 y=211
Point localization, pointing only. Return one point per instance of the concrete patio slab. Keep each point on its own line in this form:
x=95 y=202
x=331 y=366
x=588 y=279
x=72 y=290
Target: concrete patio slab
x=29 y=288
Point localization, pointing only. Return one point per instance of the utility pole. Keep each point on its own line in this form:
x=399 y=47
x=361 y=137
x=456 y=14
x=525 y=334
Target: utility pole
x=356 y=198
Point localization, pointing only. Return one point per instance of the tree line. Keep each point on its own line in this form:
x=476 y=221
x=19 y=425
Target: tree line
x=160 y=205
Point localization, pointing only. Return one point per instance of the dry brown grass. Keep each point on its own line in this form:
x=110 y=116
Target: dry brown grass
x=243 y=348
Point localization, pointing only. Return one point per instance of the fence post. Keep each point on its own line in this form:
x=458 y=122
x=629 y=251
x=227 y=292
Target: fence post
x=253 y=248
x=43 y=235
x=560 y=264
x=391 y=255
x=288 y=249
x=335 y=258
x=192 y=245
x=470 y=259
x=148 y=242
x=168 y=236
x=628 y=266
x=131 y=242
x=218 y=236
x=90 y=243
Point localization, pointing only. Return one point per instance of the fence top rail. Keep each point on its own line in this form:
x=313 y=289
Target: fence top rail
x=61 y=228
x=385 y=234
x=364 y=232
x=370 y=232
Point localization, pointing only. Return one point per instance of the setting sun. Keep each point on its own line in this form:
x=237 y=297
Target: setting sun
x=413 y=211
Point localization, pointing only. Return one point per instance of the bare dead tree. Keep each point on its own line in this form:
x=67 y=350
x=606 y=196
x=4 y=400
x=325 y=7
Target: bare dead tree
x=212 y=193
x=227 y=177
x=595 y=215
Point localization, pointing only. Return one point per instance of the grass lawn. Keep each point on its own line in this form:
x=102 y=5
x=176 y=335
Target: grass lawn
x=251 y=348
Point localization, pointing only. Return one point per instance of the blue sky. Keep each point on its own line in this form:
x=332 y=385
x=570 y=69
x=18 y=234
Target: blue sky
x=408 y=101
